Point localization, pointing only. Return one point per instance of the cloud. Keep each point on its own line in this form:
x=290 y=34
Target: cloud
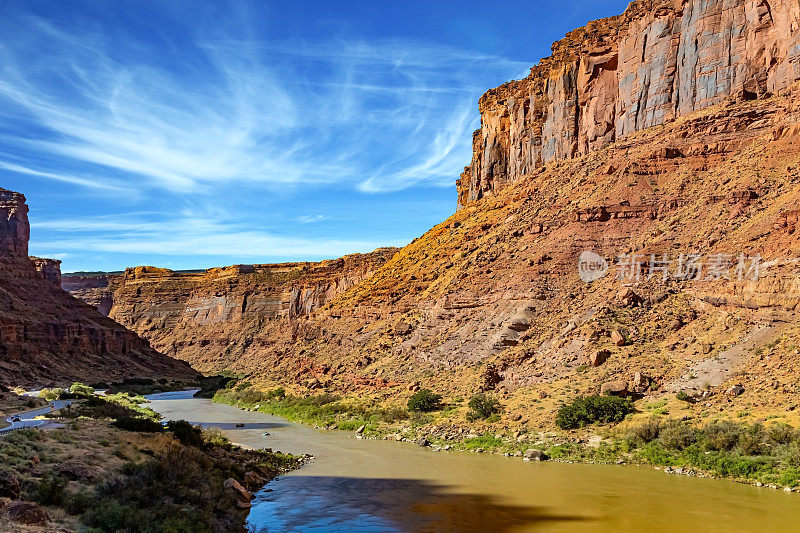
x=11 y=167
x=226 y=108
x=187 y=236
x=310 y=219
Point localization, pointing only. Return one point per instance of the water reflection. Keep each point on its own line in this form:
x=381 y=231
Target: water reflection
x=334 y=504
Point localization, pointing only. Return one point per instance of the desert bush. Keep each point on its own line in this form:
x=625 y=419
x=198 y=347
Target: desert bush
x=81 y=389
x=188 y=434
x=215 y=437
x=646 y=432
x=51 y=394
x=781 y=434
x=138 y=424
x=424 y=401
x=721 y=435
x=677 y=435
x=591 y=409
x=752 y=440
x=481 y=407
x=50 y=489
x=684 y=397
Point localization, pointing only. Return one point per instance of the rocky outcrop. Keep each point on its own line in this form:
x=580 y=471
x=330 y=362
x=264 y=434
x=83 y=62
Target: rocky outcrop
x=660 y=60
x=50 y=269
x=209 y=317
x=48 y=336
x=14 y=227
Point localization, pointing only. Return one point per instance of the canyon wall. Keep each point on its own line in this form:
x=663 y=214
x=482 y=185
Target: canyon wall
x=14 y=227
x=660 y=60
x=667 y=133
x=208 y=317
x=48 y=336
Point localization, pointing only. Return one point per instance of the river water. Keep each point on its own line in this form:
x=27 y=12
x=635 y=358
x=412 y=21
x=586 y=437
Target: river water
x=356 y=485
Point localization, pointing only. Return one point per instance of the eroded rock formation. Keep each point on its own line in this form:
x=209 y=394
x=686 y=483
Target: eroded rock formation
x=660 y=60
x=46 y=335
x=209 y=317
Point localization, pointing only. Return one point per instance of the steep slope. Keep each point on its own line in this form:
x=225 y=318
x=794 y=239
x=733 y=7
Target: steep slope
x=46 y=335
x=212 y=317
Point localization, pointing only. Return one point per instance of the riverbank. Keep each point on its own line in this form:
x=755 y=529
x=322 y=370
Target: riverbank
x=759 y=454
x=113 y=467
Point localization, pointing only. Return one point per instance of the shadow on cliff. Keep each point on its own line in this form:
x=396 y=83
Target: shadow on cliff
x=334 y=504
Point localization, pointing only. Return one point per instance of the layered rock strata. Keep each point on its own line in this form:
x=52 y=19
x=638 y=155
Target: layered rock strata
x=660 y=60
x=210 y=317
x=48 y=336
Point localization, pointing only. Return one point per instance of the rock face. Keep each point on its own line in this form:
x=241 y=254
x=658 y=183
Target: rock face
x=210 y=317
x=660 y=60
x=46 y=335
x=14 y=227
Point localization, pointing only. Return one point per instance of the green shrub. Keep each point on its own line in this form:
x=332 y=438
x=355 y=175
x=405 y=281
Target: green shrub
x=677 y=435
x=721 y=435
x=781 y=434
x=186 y=433
x=646 y=432
x=481 y=407
x=50 y=490
x=684 y=397
x=51 y=394
x=424 y=401
x=752 y=440
x=215 y=437
x=592 y=409
x=276 y=394
x=138 y=424
x=81 y=389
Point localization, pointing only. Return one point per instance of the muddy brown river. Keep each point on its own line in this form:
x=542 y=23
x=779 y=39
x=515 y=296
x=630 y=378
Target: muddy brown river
x=356 y=485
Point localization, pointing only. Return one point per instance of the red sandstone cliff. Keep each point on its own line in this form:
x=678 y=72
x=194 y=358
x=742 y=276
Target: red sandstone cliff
x=46 y=335
x=660 y=60
x=209 y=318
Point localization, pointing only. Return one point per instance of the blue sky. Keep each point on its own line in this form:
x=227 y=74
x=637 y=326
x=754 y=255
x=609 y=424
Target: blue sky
x=196 y=134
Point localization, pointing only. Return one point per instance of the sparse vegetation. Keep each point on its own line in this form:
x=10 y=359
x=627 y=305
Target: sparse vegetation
x=593 y=409
x=325 y=410
x=425 y=401
x=482 y=407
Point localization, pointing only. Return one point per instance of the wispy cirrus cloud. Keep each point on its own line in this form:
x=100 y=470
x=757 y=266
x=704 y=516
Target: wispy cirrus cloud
x=380 y=115
x=189 y=236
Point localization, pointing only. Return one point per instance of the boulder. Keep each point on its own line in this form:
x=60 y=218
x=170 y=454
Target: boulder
x=422 y=441
x=598 y=357
x=239 y=493
x=628 y=298
x=253 y=481
x=534 y=455
x=74 y=470
x=27 y=513
x=640 y=383
x=614 y=388
x=618 y=338
x=736 y=390
x=403 y=328
x=9 y=485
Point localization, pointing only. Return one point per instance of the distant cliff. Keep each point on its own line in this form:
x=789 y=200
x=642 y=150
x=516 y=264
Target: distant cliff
x=46 y=335
x=209 y=317
x=660 y=60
